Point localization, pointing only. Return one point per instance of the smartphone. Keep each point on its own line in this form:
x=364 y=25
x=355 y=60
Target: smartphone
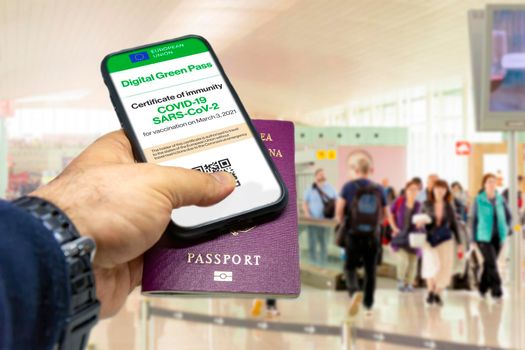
x=178 y=108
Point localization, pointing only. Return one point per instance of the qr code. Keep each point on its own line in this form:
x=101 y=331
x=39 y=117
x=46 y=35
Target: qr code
x=219 y=165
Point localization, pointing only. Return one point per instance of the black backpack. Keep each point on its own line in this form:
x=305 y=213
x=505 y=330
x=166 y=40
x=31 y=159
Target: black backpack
x=366 y=211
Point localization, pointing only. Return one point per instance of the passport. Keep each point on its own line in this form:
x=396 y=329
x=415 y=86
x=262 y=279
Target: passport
x=262 y=260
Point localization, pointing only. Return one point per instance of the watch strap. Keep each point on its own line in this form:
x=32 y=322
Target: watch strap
x=84 y=306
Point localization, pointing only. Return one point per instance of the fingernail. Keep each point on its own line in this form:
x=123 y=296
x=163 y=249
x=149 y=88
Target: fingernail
x=223 y=178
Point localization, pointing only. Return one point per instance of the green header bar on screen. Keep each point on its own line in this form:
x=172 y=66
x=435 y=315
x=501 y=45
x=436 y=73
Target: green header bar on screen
x=155 y=54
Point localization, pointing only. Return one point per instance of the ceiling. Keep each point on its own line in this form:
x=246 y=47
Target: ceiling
x=285 y=57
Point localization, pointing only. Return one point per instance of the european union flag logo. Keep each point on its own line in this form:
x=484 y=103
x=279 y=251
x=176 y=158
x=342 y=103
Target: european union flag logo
x=139 y=56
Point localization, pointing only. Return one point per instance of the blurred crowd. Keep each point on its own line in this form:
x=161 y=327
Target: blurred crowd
x=428 y=226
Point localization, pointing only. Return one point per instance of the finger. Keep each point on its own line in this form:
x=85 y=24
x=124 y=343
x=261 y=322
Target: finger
x=188 y=187
x=111 y=148
x=135 y=272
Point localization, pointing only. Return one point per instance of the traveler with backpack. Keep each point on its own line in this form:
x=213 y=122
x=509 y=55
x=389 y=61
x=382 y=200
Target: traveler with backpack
x=491 y=220
x=403 y=210
x=319 y=203
x=438 y=254
x=359 y=212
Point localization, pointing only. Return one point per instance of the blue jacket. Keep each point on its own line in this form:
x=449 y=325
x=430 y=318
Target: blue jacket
x=34 y=287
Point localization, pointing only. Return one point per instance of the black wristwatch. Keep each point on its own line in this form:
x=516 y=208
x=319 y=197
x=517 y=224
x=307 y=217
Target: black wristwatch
x=78 y=251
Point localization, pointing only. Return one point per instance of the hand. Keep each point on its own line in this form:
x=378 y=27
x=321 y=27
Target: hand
x=420 y=225
x=461 y=252
x=395 y=231
x=125 y=207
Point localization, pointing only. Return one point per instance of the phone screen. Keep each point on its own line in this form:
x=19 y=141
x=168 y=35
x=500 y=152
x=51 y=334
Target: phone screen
x=183 y=113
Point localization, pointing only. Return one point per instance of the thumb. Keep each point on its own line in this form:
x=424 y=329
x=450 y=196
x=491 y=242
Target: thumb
x=185 y=187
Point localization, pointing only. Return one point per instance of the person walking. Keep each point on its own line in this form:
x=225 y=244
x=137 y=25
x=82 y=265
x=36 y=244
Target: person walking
x=271 y=308
x=424 y=195
x=316 y=198
x=402 y=212
x=461 y=200
x=359 y=212
x=491 y=220
x=519 y=194
x=438 y=254
x=389 y=191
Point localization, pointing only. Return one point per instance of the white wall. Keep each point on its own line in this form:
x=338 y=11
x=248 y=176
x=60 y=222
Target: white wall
x=436 y=114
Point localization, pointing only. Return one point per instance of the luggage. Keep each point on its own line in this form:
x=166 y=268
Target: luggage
x=321 y=278
x=468 y=279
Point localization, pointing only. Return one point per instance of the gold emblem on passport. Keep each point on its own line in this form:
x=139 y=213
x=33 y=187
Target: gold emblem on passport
x=237 y=232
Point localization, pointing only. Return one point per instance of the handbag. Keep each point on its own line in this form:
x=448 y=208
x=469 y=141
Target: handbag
x=328 y=203
x=443 y=232
x=439 y=235
x=417 y=239
x=400 y=240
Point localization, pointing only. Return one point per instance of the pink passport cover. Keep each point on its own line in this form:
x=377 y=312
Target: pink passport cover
x=273 y=245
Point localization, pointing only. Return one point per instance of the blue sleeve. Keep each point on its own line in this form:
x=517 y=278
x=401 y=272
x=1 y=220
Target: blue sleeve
x=331 y=192
x=34 y=286
x=384 y=201
x=307 y=195
x=345 y=191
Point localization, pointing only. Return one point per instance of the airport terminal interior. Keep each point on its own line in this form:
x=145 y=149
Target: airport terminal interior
x=396 y=85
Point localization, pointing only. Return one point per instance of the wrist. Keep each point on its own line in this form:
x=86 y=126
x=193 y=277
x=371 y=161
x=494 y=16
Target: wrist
x=68 y=207
x=84 y=307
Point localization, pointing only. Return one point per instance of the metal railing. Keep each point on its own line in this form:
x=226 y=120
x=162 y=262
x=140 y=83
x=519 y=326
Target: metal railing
x=348 y=333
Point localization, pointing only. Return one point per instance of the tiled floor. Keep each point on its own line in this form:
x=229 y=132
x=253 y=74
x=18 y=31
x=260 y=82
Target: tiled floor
x=465 y=318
